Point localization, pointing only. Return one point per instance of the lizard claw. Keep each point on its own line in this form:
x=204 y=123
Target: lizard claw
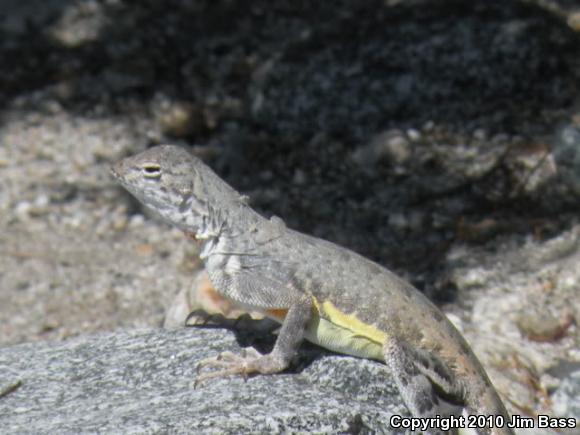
x=228 y=364
x=197 y=317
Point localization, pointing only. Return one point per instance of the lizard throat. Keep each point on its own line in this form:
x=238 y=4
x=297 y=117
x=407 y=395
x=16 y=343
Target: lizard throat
x=208 y=247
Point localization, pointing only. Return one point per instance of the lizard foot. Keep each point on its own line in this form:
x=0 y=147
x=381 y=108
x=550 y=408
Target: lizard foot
x=228 y=364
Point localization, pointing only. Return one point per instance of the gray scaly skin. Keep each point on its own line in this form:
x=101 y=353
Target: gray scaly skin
x=317 y=290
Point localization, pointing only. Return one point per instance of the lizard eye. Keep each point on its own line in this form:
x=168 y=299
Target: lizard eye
x=151 y=170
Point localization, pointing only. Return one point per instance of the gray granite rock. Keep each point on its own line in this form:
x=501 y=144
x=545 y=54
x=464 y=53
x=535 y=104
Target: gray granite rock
x=142 y=382
x=567 y=397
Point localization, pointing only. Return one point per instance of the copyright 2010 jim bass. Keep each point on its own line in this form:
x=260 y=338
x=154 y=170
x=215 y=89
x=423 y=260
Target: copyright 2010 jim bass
x=480 y=421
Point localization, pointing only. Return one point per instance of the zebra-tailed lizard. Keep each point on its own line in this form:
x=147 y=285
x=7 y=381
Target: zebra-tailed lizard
x=317 y=290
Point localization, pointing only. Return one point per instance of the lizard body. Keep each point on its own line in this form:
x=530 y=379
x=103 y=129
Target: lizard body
x=316 y=289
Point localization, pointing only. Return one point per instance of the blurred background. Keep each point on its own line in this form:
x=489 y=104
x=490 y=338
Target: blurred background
x=440 y=138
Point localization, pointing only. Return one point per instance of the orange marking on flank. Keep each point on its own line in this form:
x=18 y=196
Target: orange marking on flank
x=279 y=314
x=214 y=300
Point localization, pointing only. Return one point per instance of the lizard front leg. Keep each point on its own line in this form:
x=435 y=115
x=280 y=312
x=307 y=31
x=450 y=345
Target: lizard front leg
x=288 y=341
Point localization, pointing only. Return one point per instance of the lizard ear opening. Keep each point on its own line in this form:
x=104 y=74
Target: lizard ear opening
x=151 y=170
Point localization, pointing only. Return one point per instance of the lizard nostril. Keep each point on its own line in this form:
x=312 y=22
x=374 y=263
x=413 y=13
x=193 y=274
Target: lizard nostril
x=118 y=169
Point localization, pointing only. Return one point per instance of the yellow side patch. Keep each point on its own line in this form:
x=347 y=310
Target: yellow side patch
x=344 y=333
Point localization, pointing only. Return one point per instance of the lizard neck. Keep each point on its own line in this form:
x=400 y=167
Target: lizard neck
x=224 y=225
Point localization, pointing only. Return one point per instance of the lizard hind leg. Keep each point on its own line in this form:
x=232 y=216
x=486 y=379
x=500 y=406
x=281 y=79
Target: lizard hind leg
x=425 y=384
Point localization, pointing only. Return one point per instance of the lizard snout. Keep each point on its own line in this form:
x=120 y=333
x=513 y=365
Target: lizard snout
x=116 y=169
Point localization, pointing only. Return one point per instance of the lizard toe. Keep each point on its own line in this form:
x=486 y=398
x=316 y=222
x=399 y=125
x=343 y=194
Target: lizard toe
x=229 y=364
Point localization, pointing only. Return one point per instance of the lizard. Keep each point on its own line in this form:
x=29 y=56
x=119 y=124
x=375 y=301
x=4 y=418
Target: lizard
x=315 y=289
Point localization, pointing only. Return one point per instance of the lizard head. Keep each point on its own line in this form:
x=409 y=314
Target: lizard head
x=171 y=182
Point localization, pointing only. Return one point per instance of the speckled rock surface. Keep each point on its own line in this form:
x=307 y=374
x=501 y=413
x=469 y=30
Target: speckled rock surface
x=567 y=398
x=142 y=382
